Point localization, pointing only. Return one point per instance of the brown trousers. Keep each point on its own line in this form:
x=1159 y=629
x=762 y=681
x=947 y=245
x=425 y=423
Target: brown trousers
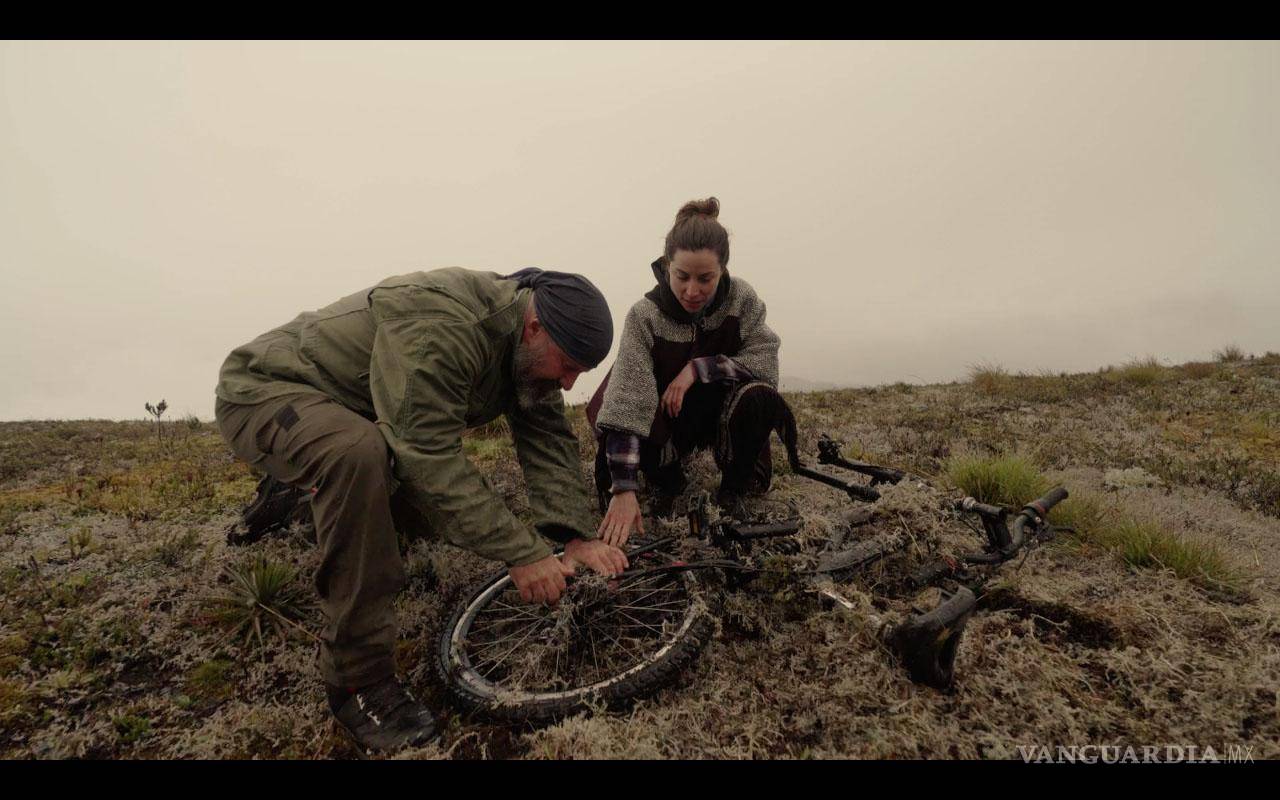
x=311 y=441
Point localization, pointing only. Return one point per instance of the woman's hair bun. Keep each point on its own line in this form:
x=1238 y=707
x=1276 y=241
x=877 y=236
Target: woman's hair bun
x=694 y=208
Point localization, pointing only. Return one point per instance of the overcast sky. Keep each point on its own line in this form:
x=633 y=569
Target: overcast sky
x=906 y=209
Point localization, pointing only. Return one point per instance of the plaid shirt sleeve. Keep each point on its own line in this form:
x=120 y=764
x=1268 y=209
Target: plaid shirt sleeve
x=710 y=369
x=623 y=451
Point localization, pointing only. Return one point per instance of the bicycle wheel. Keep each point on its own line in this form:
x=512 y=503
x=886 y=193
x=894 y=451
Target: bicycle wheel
x=605 y=643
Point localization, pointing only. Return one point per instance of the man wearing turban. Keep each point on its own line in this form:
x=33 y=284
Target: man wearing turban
x=363 y=405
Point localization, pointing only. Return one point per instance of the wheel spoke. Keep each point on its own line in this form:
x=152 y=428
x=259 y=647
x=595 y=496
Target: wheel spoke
x=529 y=650
x=498 y=661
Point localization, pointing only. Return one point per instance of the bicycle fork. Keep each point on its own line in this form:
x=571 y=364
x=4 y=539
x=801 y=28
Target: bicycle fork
x=926 y=643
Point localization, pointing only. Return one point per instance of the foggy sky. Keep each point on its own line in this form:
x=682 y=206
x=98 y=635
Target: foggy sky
x=905 y=209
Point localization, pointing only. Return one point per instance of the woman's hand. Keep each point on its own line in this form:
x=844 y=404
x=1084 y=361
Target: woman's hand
x=603 y=558
x=623 y=516
x=673 y=397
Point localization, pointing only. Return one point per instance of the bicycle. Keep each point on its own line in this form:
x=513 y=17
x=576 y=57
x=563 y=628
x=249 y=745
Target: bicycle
x=610 y=641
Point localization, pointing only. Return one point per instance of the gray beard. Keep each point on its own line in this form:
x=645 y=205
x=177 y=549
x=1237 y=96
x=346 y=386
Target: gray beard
x=530 y=391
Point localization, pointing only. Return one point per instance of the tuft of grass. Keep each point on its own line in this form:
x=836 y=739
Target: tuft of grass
x=498 y=428
x=173 y=551
x=1085 y=512
x=1008 y=480
x=264 y=599
x=1199 y=369
x=1145 y=543
x=80 y=541
x=988 y=379
x=1138 y=372
x=1044 y=387
x=1229 y=354
x=485 y=449
x=1149 y=544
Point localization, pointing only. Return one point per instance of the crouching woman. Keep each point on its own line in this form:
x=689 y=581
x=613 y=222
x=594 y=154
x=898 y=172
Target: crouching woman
x=697 y=367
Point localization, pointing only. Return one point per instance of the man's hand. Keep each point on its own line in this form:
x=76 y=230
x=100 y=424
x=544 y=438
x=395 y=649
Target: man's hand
x=542 y=581
x=621 y=519
x=603 y=558
x=673 y=397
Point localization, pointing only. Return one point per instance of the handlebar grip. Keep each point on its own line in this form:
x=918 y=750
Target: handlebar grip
x=1043 y=505
x=972 y=505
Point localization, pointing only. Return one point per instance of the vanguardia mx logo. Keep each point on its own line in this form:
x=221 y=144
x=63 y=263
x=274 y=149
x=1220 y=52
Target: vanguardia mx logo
x=1116 y=754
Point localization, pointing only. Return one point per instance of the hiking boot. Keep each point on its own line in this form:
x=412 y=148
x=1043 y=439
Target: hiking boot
x=384 y=717
x=276 y=505
x=732 y=505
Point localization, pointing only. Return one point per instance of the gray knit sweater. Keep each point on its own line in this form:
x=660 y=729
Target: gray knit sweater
x=655 y=347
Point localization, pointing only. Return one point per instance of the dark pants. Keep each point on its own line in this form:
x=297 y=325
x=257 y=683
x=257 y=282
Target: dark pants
x=311 y=441
x=734 y=419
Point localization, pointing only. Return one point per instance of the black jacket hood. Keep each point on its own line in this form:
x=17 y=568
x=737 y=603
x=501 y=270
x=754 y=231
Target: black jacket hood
x=665 y=299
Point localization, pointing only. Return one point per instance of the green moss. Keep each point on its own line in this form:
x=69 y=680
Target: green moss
x=485 y=450
x=131 y=728
x=212 y=681
x=15 y=701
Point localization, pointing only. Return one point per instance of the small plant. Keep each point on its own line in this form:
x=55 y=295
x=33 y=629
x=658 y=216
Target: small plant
x=264 y=598
x=80 y=541
x=157 y=411
x=192 y=422
x=131 y=728
x=173 y=550
x=1229 y=354
x=9 y=525
x=212 y=681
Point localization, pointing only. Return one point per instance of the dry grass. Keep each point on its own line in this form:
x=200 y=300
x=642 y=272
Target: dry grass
x=988 y=379
x=1199 y=369
x=1229 y=354
x=1138 y=372
x=107 y=548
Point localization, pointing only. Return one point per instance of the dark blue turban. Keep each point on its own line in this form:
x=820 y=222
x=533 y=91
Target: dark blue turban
x=573 y=311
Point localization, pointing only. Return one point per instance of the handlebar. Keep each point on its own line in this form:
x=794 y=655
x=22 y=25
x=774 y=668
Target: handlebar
x=1044 y=505
x=1005 y=545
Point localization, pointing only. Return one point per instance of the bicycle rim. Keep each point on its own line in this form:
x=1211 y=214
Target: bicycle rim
x=600 y=645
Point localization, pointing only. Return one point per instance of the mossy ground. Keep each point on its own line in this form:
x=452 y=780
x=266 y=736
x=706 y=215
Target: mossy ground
x=111 y=544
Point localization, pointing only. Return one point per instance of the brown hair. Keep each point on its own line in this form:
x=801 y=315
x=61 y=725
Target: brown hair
x=697 y=228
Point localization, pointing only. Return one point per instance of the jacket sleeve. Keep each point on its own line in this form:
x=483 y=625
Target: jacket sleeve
x=547 y=449
x=758 y=354
x=420 y=377
x=631 y=400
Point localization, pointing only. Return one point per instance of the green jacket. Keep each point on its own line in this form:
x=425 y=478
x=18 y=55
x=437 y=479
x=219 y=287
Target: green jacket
x=426 y=356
